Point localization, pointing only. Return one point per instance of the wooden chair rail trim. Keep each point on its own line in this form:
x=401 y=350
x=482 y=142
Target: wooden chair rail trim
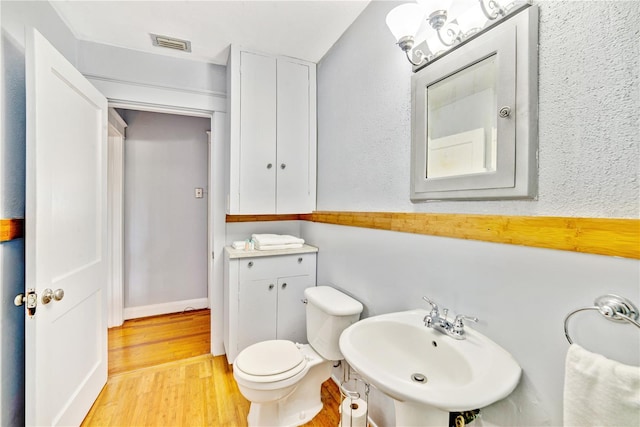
x=11 y=229
x=601 y=236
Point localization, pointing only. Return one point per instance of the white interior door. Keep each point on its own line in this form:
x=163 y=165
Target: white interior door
x=66 y=241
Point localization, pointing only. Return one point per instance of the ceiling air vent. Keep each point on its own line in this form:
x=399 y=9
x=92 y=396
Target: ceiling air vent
x=171 y=43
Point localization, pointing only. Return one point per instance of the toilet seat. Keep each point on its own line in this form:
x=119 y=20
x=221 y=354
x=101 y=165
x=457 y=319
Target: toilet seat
x=270 y=361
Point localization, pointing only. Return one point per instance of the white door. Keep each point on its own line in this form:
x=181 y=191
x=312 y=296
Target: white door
x=291 y=320
x=293 y=180
x=66 y=239
x=257 y=134
x=257 y=308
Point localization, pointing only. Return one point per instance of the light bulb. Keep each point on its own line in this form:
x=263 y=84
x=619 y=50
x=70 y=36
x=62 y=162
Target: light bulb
x=472 y=20
x=436 y=46
x=404 y=20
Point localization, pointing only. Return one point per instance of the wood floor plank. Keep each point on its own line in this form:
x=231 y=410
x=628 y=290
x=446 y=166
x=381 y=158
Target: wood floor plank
x=150 y=341
x=161 y=374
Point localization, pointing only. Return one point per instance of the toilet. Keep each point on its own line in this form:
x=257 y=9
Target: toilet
x=282 y=379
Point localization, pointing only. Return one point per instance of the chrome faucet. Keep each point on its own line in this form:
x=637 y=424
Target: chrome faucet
x=440 y=323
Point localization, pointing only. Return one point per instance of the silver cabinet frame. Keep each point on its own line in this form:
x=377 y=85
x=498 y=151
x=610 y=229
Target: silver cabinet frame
x=515 y=44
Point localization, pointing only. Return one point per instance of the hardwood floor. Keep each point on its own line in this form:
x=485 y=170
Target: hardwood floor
x=161 y=374
x=150 y=341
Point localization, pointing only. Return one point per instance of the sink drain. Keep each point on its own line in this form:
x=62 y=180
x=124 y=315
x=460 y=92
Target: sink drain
x=419 y=378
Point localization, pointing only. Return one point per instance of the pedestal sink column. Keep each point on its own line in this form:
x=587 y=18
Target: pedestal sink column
x=413 y=414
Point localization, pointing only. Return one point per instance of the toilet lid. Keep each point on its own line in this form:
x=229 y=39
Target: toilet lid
x=268 y=358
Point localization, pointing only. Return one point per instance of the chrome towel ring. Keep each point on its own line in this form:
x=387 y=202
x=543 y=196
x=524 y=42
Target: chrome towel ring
x=612 y=307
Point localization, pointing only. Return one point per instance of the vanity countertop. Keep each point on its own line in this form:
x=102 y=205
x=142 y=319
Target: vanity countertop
x=241 y=253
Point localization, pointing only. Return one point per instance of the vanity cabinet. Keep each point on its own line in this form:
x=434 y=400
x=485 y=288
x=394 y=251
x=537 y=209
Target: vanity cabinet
x=263 y=296
x=272 y=134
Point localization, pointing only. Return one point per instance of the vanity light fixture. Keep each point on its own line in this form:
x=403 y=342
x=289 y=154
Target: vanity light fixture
x=437 y=26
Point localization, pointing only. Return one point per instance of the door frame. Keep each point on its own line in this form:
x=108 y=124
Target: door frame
x=115 y=216
x=209 y=105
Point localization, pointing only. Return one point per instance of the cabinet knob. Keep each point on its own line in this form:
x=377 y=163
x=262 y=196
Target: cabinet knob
x=250 y=264
x=284 y=285
x=300 y=260
x=271 y=286
x=282 y=166
x=269 y=165
x=505 y=112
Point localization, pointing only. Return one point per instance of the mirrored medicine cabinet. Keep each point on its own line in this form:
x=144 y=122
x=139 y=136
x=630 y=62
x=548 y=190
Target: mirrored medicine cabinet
x=474 y=117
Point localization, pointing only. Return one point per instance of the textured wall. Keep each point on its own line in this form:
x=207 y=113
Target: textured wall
x=589 y=164
x=589 y=101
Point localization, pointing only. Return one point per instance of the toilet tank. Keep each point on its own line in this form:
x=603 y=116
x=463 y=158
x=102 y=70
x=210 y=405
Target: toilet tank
x=329 y=312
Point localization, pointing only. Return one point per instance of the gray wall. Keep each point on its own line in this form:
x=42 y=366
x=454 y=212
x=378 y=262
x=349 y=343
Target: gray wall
x=589 y=96
x=589 y=165
x=119 y=64
x=15 y=17
x=165 y=245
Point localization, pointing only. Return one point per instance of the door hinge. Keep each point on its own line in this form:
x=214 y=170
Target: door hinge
x=213 y=255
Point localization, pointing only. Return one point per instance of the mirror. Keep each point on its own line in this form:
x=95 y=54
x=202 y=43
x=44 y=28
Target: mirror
x=474 y=117
x=462 y=147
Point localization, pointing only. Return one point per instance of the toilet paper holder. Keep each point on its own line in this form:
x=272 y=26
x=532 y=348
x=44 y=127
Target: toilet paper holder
x=351 y=400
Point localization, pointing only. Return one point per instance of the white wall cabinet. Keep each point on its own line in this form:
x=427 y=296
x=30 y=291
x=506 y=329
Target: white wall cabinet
x=272 y=134
x=263 y=293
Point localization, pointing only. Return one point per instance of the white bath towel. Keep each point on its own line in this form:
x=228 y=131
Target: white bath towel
x=275 y=239
x=599 y=391
x=275 y=247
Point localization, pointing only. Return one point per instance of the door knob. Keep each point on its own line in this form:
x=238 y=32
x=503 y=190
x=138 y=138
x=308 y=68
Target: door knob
x=49 y=295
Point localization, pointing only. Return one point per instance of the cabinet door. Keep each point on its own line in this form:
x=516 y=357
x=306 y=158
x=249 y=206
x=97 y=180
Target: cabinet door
x=293 y=138
x=257 y=183
x=257 y=306
x=291 y=310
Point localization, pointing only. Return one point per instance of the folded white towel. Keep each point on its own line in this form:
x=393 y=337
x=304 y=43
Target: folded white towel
x=239 y=244
x=599 y=391
x=276 y=239
x=274 y=247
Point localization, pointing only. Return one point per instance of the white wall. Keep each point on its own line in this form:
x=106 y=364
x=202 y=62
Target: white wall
x=15 y=17
x=520 y=294
x=589 y=166
x=166 y=158
x=116 y=63
x=589 y=96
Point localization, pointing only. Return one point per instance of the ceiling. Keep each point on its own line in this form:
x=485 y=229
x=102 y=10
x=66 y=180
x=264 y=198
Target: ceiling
x=304 y=29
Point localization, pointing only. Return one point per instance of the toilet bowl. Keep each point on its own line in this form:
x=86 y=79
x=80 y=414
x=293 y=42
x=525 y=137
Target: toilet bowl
x=281 y=394
x=282 y=379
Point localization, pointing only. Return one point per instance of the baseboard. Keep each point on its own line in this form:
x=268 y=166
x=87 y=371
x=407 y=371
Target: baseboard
x=165 y=308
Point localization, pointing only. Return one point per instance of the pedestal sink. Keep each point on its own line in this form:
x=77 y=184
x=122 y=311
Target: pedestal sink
x=427 y=373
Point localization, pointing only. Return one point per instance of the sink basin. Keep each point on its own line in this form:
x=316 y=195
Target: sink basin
x=427 y=373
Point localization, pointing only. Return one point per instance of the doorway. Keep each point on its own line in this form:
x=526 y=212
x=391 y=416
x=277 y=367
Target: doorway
x=165 y=213
x=194 y=105
x=156 y=266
